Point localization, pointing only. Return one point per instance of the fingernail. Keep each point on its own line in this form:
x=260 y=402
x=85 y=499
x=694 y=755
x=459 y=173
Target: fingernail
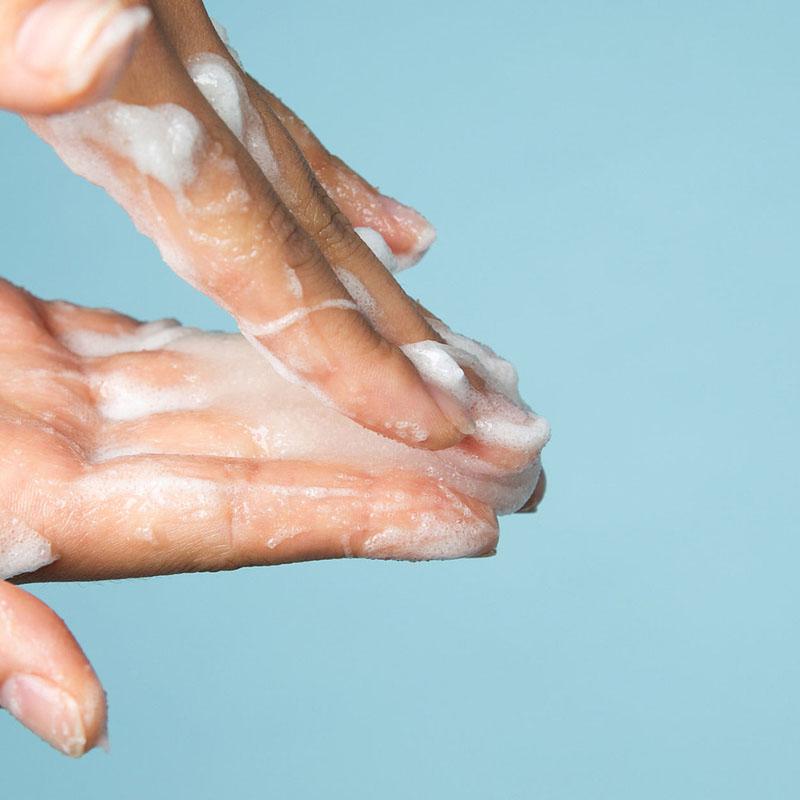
x=415 y=224
x=453 y=410
x=48 y=711
x=82 y=41
x=532 y=503
x=103 y=742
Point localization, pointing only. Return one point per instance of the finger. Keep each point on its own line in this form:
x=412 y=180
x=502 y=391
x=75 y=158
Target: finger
x=190 y=185
x=392 y=313
x=137 y=516
x=532 y=504
x=46 y=682
x=408 y=233
x=60 y=54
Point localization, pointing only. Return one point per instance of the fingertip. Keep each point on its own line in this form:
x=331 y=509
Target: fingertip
x=532 y=503
x=66 y=55
x=441 y=437
x=94 y=711
x=46 y=682
x=71 y=725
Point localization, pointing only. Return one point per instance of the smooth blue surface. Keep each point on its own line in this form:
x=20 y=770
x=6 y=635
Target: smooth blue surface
x=616 y=190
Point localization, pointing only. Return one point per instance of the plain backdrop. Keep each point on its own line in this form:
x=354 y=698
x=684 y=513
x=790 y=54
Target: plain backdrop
x=615 y=186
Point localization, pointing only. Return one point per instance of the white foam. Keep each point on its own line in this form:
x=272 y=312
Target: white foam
x=293 y=317
x=499 y=374
x=156 y=335
x=222 y=32
x=122 y=397
x=378 y=245
x=224 y=89
x=297 y=423
x=163 y=141
x=438 y=366
x=356 y=289
x=22 y=549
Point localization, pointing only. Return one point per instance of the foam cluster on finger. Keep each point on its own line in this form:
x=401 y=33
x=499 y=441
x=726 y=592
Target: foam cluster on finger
x=22 y=549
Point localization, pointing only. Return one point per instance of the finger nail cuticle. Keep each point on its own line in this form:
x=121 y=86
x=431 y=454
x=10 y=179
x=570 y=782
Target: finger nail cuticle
x=48 y=711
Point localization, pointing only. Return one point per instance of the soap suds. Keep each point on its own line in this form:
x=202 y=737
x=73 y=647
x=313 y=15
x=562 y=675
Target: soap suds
x=22 y=549
x=300 y=424
x=224 y=89
x=356 y=289
x=164 y=142
x=222 y=32
x=122 y=397
x=293 y=317
x=149 y=336
x=438 y=366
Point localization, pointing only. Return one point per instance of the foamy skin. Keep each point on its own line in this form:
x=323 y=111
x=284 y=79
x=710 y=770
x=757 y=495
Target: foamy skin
x=122 y=398
x=150 y=336
x=498 y=465
x=293 y=317
x=185 y=192
x=148 y=499
x=22 y=549
x=396 y=262
x=365 y=302
x=119 y=146
x=292 y=424
x=222 y=86
x=429 y=539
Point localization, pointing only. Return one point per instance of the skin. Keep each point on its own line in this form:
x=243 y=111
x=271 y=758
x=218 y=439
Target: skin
x=49 y=405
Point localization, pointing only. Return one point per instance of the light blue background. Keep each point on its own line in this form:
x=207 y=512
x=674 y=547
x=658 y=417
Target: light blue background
x=616 y=190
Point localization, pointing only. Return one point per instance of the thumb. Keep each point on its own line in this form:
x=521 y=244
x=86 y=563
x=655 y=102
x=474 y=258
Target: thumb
x=60 y=54
x=45 y=680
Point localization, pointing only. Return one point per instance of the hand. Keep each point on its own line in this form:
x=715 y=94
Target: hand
x=200 y=156
x=133 y=450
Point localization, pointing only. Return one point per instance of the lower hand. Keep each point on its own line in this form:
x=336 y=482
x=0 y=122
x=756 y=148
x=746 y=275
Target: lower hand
x=133 y=450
